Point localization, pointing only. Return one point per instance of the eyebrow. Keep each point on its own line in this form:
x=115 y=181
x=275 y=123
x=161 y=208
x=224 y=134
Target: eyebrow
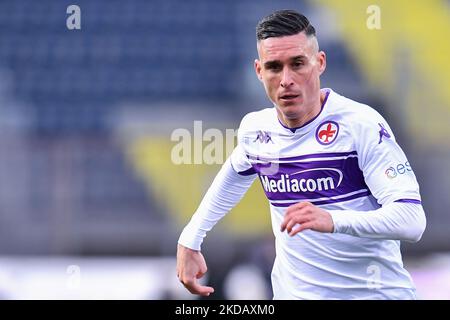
x=274 y=63
x=299 y=57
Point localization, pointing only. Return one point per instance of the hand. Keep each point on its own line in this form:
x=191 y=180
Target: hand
x=308 y=216
x=192 y=266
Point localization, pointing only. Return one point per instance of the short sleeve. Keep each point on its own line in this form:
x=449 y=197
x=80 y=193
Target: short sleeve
x=387 y=171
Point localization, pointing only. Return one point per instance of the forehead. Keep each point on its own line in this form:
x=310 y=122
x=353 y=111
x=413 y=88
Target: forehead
x=281 y=48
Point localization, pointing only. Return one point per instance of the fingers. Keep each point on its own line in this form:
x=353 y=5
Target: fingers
x=298 y=206
x=297 y=209
x=291 y=219
x=190 y=282
x=304 y=226
x=191 y=266
x=195 y=288
x=294 y=221
x=299 y=213
x=188 y=277
x=199 y=275
x=291 y=223
x=285 y=223
x=202 y=270
x=298 y=225
x=304 y=215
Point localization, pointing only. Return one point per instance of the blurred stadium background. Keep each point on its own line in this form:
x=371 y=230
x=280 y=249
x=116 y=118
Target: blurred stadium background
x=91 y=204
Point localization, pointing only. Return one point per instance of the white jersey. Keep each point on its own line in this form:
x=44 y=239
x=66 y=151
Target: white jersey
x=346 y=161
x=346 y=158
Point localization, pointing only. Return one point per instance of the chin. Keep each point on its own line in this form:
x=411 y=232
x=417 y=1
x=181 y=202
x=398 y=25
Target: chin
x=290 y=107
x=290 y=113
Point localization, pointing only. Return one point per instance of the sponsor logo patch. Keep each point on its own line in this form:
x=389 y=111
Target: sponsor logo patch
x=397 y=170
x=309 y=180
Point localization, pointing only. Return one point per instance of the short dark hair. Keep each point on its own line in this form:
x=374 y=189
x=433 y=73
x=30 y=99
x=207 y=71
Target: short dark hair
x=283 y=23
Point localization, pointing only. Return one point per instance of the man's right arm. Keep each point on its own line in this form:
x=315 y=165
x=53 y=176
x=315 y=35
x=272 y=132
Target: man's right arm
x=227 y=189
x=225 y=192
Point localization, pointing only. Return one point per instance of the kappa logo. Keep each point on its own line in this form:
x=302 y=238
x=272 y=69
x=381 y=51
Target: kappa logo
x=263 y=137
x=383 y=133
x=327 y=132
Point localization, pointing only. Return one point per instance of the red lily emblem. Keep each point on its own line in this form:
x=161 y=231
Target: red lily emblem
x=328 y=133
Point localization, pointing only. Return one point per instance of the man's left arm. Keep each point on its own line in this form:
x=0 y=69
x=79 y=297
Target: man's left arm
x=395 y=221
x=391 y=181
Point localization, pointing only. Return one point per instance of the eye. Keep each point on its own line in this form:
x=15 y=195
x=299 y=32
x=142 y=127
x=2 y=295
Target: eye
x=298 y=64
x=274 y=67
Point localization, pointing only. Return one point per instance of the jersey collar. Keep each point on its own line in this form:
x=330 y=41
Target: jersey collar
x=294 y=130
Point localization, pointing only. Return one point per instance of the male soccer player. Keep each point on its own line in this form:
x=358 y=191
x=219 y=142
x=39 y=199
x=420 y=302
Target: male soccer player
x=342 y=193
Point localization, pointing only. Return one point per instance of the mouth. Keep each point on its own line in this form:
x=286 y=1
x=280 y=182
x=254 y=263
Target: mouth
x=289 y=97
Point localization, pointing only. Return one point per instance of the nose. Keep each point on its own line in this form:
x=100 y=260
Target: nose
x=286 y=78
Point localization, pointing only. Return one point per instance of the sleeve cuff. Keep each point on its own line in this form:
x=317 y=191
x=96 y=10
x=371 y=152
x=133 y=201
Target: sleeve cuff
x=339 y=220
x=190 y=240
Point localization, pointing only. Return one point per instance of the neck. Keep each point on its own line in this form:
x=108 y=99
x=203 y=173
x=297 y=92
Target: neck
x=305 y=117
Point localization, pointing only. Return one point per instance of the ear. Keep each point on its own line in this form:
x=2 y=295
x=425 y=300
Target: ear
x=322 y=59
x=258 y=69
